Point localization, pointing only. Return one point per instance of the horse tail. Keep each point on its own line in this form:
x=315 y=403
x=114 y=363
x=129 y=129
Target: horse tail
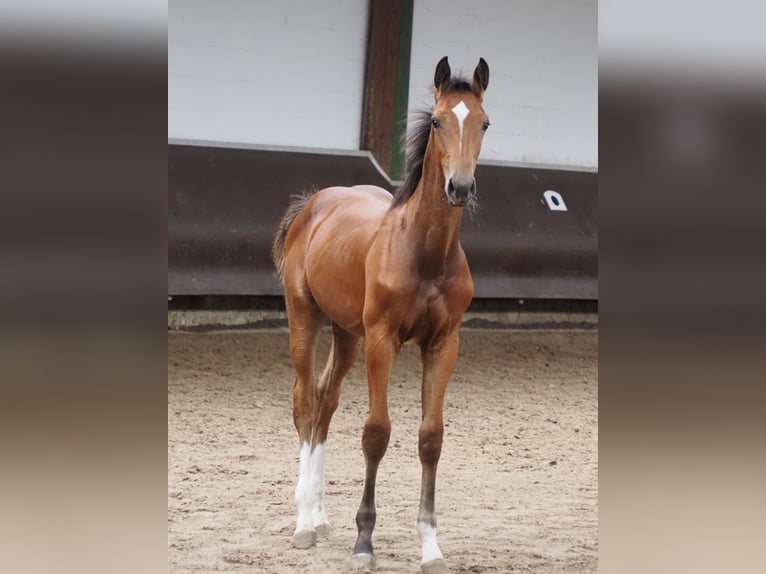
x=296 y=204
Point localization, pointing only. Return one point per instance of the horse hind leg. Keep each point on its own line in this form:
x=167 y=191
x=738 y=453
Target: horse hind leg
x=343 y=354
x=305 y=320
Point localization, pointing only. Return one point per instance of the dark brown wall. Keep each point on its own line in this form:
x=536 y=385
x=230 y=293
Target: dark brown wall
x=225 y=203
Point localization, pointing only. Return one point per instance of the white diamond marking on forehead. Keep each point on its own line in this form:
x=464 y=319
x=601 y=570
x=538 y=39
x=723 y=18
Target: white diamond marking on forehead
x=461 y=112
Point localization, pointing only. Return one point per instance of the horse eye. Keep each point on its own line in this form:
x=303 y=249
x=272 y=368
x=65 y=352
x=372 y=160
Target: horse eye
x=485 y=126
x=436 y=123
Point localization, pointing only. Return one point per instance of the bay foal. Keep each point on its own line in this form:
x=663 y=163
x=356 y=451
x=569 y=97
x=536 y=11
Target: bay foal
x=389 y=270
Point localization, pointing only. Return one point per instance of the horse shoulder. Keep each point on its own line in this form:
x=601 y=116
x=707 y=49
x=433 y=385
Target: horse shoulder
x=388 y=288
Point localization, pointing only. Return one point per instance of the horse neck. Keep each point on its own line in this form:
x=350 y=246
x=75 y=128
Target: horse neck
x=432 y=223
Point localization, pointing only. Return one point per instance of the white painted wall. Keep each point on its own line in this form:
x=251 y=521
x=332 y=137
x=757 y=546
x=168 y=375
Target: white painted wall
x=276 y=72
x=542 y=98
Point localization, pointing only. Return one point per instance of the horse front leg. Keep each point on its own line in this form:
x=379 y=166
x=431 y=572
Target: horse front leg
x=438 y=363
x=380 y=350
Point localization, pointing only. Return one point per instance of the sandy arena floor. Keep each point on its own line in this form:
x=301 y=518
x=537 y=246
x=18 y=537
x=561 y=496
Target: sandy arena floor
x=518 y=479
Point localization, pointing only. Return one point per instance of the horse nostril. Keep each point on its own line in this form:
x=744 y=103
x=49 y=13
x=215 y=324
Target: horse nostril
x=450 y=186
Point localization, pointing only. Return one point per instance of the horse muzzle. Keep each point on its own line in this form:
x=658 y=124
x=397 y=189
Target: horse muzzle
x=460 y=190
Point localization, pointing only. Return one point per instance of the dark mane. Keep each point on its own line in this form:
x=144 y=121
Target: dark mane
x=415 y=150
x=416 y=143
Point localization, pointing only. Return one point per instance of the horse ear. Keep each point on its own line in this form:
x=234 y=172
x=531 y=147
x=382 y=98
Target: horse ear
x=442 y=75
x=481 y=76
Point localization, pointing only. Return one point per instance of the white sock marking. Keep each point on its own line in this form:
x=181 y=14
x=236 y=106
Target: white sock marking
x=430 y=549
x=309 y=492
x=461 y=113
x=303 y=491
x=318 y=514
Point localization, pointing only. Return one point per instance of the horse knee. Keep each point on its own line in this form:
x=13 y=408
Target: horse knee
x=375 y=440
x=430 y=443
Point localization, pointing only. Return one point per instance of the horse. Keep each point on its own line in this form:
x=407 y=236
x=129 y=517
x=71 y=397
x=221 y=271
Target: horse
x=389 y=270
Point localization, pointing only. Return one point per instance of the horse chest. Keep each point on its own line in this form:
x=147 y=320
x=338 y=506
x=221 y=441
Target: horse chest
x=429 y=317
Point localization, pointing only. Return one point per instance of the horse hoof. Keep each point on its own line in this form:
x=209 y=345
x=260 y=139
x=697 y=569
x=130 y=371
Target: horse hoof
x=323 y=529
x=436 y=566
x=364 y=562
x=304 y=539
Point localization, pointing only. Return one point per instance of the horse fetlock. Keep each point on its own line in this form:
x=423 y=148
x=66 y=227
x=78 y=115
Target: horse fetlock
x=319 y=518
x=363 y=562
x=429 y=547
x=305 y=495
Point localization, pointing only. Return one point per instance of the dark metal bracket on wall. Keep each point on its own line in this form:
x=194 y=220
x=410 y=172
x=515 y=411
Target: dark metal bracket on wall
x=387 y=79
